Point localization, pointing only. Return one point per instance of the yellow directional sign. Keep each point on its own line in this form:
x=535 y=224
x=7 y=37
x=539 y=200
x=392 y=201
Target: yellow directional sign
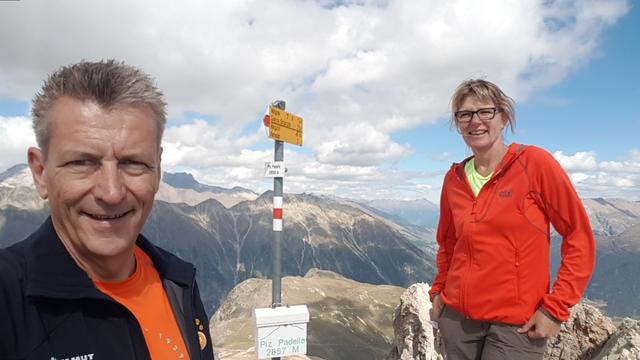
x=285 y=126
x=285 y=134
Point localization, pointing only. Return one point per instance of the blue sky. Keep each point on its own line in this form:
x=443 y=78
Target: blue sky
x=594 y=109
x=372 y=80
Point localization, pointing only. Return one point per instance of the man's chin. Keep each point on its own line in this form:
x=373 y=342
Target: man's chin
x=110 y=245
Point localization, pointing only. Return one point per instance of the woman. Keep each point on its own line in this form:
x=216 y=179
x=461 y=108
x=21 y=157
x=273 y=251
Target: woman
x=491 y=294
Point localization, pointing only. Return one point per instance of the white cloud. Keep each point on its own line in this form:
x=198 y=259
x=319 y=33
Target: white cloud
x=17 y=136
x=603 y=179
x=577 y=162
x=359 y=144
x=577 y=178
x=356 y=71
x=198 y=144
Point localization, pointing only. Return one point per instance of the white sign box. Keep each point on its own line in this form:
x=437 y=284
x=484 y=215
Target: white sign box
x=281 y=331
x=274 y=169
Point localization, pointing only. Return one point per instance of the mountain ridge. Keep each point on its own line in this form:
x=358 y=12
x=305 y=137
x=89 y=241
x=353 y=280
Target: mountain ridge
x=231 y=241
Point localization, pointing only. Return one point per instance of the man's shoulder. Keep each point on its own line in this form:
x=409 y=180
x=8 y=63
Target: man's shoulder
x=12 y=283
x=13 y=258
x=167 y=263
x=156 y=252
x=173 y=259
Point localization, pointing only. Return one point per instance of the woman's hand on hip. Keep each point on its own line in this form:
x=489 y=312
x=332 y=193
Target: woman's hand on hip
x=540 y=326
x=436 y=308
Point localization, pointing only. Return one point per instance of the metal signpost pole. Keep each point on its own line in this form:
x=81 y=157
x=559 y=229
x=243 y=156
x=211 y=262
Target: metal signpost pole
x=280 y=330
x=277 y=230
x=276 y=247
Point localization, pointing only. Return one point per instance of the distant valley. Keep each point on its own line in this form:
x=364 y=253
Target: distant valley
x=231 y=244
x=227 y=233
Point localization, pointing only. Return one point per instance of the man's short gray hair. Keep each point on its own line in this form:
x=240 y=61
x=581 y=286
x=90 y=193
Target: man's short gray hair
x=108 y=83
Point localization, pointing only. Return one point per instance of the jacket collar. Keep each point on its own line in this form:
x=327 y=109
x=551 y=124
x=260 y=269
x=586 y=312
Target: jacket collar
x=52 y=272
x=513 y=152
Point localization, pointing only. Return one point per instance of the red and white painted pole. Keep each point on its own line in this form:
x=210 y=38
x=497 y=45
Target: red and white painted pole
x=278 y=182
x=277 y=213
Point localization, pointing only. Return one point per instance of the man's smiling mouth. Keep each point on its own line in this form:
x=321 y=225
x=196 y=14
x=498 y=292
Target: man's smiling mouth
x=107 y=217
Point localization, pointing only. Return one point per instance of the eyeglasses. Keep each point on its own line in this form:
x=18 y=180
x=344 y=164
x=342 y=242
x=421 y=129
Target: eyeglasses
x=483 y=114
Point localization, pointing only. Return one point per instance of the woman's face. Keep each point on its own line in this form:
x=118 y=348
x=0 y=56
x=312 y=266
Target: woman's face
x=479 y=134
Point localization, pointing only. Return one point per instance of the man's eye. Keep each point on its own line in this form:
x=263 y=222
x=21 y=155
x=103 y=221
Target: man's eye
x=131 y=162
x=133 y=165
x=81 y=162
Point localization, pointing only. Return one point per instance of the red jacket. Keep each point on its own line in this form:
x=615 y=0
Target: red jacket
x=493 y=256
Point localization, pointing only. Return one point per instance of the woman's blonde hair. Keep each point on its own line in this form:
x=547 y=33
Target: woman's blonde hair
x=483 y=90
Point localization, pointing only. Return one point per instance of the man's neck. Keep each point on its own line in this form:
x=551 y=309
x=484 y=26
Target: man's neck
x=112 y=270
x=105 y=269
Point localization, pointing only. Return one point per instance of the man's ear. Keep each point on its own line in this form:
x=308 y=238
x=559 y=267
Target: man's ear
x=36 y=164
x=159 y=168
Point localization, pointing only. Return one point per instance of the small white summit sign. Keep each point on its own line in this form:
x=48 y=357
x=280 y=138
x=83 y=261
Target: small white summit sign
x=274 y=169
x=281 y=331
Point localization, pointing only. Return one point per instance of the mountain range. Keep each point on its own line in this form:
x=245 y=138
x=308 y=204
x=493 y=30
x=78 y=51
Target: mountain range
x=227 y=233
x=183 y=187
x=232 y=244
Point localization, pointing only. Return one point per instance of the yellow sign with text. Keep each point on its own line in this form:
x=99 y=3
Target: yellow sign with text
x=285 y=126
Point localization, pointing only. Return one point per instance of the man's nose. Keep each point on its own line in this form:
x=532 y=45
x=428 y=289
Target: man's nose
x=110 y=185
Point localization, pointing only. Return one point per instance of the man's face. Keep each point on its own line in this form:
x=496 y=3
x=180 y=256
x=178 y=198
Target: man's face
x=101 y=173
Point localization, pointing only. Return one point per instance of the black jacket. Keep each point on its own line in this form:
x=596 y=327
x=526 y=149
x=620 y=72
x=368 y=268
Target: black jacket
x=50 y=309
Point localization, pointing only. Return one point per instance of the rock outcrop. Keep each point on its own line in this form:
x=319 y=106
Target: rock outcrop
x=623 y=344
x=587 y=335
x=581 y=336
x=414 y=336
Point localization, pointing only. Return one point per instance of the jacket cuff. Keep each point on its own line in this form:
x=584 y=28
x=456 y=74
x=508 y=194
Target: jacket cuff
x=547 y=314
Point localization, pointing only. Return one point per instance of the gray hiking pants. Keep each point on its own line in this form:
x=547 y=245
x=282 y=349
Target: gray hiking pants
x=466 y=339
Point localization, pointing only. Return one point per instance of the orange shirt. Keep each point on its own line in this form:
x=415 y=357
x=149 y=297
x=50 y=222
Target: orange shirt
x=144 y=296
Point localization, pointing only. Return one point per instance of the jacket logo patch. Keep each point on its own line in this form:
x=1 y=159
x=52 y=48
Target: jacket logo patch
x=77 y=357
x=202 y=338
x=505 y=194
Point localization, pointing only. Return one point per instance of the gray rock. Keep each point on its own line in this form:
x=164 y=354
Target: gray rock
x=588 y=334
x=623 y=344
x=581 y=336
x=414 y=336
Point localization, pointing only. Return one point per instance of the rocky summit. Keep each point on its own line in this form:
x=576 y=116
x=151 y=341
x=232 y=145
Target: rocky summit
x=352 y=320
x=588 y=334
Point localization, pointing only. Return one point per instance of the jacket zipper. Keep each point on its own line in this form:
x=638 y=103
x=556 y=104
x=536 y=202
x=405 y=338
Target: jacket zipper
x=517 y=275
x=464 y=180
x=465 y=285
x=193 y=316
x=464 y=292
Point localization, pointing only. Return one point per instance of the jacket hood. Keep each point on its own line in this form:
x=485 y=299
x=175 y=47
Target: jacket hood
x=513 y=152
